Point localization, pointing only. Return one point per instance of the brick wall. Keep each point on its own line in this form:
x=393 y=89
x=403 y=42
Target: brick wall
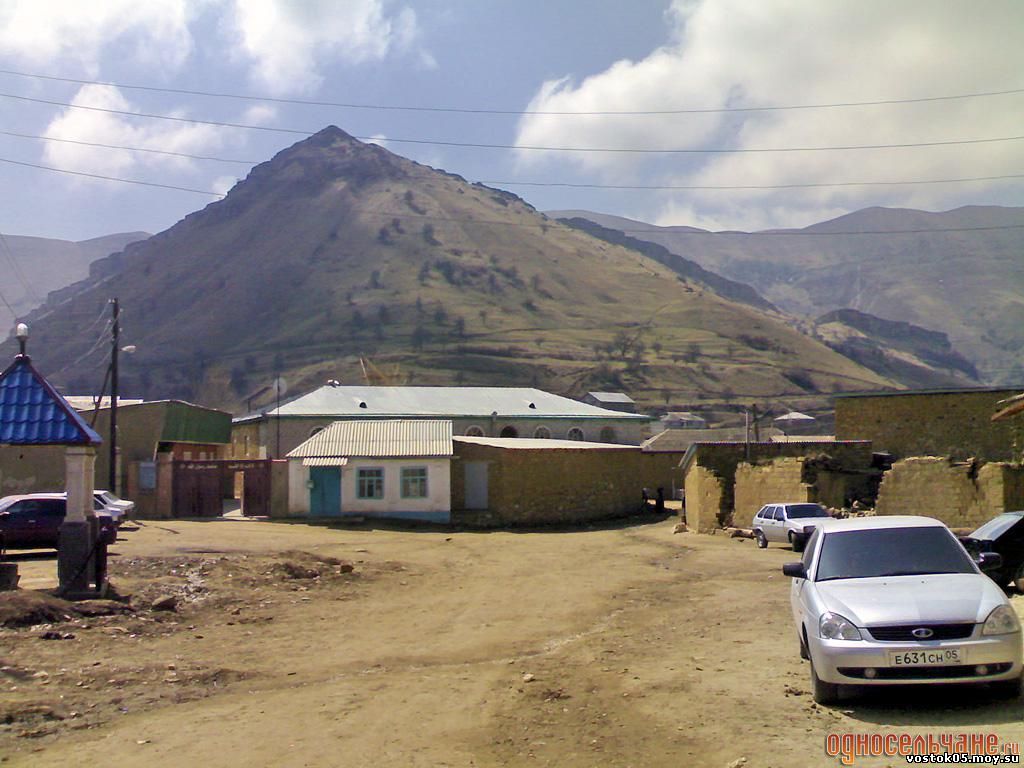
x=544 y=486
x=960 y=495
x=956 y=424
x=757 y=485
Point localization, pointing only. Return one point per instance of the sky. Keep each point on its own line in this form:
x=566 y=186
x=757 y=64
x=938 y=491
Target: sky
x=723 y=114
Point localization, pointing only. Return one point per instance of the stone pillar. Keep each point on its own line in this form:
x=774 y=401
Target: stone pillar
x=75 y=546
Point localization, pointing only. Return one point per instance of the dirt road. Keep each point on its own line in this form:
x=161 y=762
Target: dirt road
x=624 y=646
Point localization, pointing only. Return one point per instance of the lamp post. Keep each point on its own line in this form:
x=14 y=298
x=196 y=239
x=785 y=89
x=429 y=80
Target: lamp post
x=115 y=338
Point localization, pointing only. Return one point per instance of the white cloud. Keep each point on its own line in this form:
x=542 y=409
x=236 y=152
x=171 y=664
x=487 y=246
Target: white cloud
x=104 y=128
x=73 y=32
x=287 y=41
x=726 y=53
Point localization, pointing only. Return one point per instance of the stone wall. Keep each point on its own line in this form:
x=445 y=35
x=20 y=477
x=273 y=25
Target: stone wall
x=545 y=486
x=961 y=495
x=951 y=423
x=704 y=499
x=723 y=459
x=757 y=485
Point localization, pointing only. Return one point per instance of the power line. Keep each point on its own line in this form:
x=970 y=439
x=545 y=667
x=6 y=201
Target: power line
x=111 y=178
x=482 y=111
x=419 y=217
x=570 y=185
x=527 y=147
x=130 y=149
x=30 y=292
x=698 y=187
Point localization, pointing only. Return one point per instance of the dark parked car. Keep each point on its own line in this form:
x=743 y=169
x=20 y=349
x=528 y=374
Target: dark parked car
x=1003 y=534
x=33 y=521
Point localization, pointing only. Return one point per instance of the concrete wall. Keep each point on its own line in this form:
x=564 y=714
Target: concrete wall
x=544 y=486
x=704 y=499
x=31 y=469
x=955 y=424
x=960 y=495
x=777 y=481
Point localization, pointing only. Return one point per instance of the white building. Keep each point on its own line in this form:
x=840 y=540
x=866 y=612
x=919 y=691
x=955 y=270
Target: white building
x=398 y=468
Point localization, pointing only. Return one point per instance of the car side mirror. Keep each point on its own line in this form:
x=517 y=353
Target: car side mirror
x=795 y=570
x=990 y=561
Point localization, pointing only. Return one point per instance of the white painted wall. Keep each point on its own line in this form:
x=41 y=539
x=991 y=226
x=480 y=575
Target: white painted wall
x=436 y=507
x=298 y=488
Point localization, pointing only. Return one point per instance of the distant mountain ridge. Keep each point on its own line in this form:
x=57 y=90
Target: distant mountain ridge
x=35 y=266
x=959 y=272
x=336 y=250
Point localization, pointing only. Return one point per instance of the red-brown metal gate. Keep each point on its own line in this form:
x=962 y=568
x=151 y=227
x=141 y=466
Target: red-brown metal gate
x=199 y=487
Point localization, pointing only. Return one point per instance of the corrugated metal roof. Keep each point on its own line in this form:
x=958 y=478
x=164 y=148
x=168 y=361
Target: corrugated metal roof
x=611 y=397
x=325 y=461
x=34 y=413
x=377 y=438
x=536 y=443
x=402 y=402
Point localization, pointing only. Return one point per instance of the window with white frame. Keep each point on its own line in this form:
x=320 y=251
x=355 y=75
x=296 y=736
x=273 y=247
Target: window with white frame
x=370 y=484
x=414 y=482
x=575 y=434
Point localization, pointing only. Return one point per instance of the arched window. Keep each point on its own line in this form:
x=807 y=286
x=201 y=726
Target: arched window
x=474 y=431
x=542 y=433
x=607 y=435
x=575 y=434
x=509 y=431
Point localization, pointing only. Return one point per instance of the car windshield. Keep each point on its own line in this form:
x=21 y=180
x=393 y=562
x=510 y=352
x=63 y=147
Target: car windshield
x=911 y=551
x=805 y=510
x=997 y=526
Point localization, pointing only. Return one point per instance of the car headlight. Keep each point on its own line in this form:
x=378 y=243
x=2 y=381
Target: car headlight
x=1002 y=621
x=832 y=626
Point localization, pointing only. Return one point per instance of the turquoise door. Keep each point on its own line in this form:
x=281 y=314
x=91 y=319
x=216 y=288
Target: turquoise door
x=325 y=494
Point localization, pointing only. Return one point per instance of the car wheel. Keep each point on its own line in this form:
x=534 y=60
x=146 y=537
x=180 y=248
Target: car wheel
x=824 y=693
x=1018 y=578
x=1007 y=689
x=797 y=542
x=762 y=542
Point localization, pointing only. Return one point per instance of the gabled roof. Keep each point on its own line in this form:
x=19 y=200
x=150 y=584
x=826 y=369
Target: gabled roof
x=611 y=397
x=451 y=402
x=379 y=438
x=33 y=413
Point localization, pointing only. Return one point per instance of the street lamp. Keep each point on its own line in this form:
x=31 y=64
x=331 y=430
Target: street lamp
x=21 y=334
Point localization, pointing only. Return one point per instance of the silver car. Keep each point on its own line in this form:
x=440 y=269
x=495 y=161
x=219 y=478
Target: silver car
x=786 y=523
x=897 y=600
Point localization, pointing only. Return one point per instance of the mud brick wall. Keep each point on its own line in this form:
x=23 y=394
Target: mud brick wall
x=757 y=485
x=705 y=498
x=960 y=495
x=955 y=424
x=529 y=487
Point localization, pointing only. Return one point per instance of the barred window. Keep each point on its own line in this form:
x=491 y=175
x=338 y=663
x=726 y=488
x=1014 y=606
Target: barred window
x=371 y=484
x=414 y=482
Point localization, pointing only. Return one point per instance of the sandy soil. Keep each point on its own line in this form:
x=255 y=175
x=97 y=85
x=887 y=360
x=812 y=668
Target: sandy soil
x=621 y=646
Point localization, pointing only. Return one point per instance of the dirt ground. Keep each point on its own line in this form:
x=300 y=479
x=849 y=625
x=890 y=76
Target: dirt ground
x=615 y=646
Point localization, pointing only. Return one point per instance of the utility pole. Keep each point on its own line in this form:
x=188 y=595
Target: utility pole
x=116 y=337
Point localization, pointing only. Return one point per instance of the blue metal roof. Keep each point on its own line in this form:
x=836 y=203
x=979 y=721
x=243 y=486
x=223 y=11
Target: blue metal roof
x=34 y=413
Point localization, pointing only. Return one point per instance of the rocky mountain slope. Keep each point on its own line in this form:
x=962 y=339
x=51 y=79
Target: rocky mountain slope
x=959 y=272
x=336 y=250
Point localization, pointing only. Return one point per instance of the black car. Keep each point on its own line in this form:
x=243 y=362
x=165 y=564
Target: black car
x=32 y=521
x=1003 y=534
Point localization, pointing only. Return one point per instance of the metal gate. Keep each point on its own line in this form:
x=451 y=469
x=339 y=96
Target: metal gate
x=198 y=487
